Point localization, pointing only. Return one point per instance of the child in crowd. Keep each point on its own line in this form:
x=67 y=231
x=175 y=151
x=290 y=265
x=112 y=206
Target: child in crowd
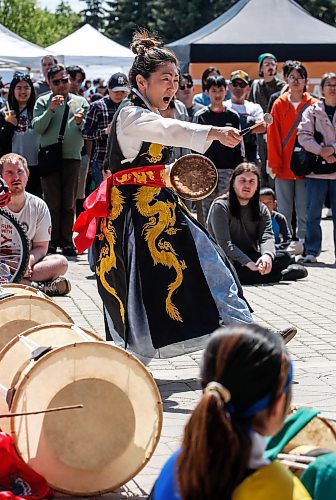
x=282 y=234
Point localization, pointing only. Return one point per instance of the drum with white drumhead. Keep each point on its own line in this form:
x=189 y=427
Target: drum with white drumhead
x=20 y=312
x=90 y=450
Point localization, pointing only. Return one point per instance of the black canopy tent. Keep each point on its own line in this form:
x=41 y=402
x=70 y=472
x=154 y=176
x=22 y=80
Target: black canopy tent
x=252 y=27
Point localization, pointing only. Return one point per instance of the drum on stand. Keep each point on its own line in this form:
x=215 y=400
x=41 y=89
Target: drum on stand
x=19 y=289
x=99 y=447
x=20 y=312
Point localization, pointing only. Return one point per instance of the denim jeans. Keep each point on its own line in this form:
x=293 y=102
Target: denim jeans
x=96 y=172
x=317 y=190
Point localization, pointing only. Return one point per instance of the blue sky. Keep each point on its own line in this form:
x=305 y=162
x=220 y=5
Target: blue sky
x=76 y=5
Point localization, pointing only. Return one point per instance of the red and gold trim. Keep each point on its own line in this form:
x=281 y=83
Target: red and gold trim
x=141 y=176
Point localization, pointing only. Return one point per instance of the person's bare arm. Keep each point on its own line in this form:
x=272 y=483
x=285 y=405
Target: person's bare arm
x=38 y=251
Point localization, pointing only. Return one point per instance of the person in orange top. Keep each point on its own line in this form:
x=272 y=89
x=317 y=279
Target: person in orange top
x=281 y=141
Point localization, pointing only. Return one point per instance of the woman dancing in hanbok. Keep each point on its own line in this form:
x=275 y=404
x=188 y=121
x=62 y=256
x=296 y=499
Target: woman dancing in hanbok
x=164 y=283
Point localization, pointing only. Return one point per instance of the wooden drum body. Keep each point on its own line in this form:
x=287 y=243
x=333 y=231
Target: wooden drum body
x=96 y=448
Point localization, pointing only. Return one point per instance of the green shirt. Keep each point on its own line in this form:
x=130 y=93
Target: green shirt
x=48 y=123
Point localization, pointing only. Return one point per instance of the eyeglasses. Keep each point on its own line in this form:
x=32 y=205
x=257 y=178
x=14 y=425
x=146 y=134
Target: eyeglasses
x=58 y=81
x=330 y=85
x=188 y=86
x=293 y=79
x=241 y=85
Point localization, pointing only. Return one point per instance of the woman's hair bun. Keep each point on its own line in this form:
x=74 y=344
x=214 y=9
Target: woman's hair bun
x=143 y=41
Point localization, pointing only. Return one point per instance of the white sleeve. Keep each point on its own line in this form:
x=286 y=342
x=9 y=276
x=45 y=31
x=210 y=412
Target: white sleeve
x=258 y=113
x=136 y=125
x=43 y=224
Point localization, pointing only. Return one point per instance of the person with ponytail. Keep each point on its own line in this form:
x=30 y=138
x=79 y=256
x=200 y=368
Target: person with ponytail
x=246 y=379
x=164 y=284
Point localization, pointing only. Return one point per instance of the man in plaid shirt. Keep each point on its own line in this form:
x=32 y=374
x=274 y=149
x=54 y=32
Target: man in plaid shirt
x=98 y=122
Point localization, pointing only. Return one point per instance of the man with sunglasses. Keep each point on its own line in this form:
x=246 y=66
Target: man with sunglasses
x=185 y=94
x=249 y=112
x=60 y=187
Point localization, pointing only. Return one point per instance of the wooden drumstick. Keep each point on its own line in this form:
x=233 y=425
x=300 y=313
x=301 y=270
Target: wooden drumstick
x=49 y=410
x=292 y=457
x=267 y=119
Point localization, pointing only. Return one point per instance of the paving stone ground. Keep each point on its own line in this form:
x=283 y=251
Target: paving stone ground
x=308 y=304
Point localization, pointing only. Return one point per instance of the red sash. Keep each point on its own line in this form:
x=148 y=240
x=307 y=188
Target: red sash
x=97 y=203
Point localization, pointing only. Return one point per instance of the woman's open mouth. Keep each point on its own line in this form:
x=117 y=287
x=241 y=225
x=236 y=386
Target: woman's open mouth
x=166 y=99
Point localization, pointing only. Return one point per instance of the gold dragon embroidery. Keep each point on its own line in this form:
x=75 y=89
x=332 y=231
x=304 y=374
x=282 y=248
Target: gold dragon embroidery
x=107 y=257
x=154 y=153
x=162 y=218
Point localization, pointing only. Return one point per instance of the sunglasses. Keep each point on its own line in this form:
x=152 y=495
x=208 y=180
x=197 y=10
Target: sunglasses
x=241 y=85
x=188 y=86
x=58 y=81
x=21 y=76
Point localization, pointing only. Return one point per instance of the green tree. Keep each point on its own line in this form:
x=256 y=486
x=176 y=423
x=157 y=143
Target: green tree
x=38 y=25
x=172 y=19
x=123 y=17
x=93 y=14
x=325 y=10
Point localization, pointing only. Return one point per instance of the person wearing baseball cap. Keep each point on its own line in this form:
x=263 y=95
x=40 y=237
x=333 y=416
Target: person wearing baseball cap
x=118 y=82
x=260 y=93
x=98 y=122
x=249 y=112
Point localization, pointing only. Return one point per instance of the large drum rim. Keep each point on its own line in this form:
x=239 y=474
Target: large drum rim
x=22 y=286
x=6 y=300
x=25 y=333
x=31 y=368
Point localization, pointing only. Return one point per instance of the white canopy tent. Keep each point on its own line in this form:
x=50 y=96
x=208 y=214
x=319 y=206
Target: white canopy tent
x=16 y=48
x=97 y=54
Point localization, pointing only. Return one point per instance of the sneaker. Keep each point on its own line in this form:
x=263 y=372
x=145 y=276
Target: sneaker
x=309 y=259
x=70 y=251
x=294 y=272
x=295 y=248
x=287 y=334
x=58 y=286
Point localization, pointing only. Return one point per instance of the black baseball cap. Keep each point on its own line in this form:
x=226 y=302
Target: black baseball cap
x=118 y=82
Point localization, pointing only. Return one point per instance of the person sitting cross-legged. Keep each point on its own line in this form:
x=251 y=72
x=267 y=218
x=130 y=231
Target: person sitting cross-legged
x=242 y=226
x=44 y=272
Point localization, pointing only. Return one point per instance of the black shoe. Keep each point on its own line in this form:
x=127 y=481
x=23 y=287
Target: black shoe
x=52 y=248
x=69 y=251
x=294 y=272
x=287 y=334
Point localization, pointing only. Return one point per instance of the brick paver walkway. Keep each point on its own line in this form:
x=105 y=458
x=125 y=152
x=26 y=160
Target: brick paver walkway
x=309 y=304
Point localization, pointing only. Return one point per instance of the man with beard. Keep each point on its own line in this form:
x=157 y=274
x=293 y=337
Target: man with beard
x=261 y=91
x=225 y=159
x=249 y=112
x=43 y=271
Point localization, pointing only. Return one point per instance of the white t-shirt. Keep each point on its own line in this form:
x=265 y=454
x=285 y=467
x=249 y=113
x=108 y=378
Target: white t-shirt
x=248 y=108
x=35 y=219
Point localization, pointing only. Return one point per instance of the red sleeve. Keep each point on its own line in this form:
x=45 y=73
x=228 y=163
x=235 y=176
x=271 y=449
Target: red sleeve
x=274 y=140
